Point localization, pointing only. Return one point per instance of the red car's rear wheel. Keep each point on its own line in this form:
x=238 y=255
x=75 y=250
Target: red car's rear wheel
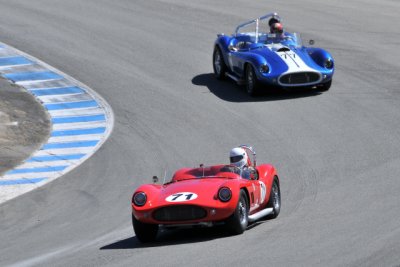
x=274 y=201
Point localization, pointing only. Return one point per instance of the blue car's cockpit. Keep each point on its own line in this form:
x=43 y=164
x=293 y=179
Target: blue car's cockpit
x=247 y=41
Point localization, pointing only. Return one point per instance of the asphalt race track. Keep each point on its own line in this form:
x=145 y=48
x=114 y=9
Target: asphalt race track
x=337 y=152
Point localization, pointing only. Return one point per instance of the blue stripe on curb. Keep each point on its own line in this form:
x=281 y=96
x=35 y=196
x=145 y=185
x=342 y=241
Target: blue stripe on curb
x=55 y=157
x=38 y=169
x=21 y=181
x=11 y=61
x=70 y=144
x=98 y=130
x=70 y=105
x=32 y=76
x=79 y=119
x=57 y=91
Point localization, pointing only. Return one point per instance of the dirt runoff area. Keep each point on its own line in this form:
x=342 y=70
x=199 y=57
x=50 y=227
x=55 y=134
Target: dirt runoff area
x=24 y=125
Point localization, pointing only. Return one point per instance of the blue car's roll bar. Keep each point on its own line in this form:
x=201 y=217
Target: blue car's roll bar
x=257 y=21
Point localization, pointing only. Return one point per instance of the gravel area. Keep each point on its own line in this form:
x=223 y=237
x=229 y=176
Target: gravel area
x=24 y=125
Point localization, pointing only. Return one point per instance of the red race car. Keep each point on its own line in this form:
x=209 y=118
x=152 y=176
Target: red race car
x=235 y=194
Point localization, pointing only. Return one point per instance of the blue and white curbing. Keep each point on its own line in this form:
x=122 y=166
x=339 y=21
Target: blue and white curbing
x=81 y=122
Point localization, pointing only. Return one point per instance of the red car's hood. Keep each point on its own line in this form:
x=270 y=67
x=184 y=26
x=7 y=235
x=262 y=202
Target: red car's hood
x=197 y=191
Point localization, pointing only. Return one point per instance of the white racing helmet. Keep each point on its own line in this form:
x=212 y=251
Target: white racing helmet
x=238 y=157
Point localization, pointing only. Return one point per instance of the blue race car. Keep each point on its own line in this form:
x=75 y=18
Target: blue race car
x=273 y=58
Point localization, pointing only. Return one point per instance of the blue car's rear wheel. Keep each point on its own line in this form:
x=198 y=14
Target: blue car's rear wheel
x=219 y=64
x=252 y=82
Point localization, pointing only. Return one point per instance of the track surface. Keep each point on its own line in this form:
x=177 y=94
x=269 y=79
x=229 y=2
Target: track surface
x=337 y=152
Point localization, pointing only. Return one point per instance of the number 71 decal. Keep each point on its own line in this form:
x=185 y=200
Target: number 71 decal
x=181 y=196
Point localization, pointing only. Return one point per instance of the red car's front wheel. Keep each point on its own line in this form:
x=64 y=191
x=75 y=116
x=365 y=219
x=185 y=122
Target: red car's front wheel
x=239 y=220
x=145 y=232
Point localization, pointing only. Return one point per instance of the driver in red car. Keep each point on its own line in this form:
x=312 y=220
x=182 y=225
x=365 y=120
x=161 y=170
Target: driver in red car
x=238 y=158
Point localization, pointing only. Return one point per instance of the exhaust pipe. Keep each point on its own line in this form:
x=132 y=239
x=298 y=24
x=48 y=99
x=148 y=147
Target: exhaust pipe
x=260 y=214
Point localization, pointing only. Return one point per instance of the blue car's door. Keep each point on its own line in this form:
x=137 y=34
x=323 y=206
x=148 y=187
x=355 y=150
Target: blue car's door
x=236 y=61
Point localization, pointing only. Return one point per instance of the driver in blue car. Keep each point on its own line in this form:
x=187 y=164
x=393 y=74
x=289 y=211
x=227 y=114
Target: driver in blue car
x=277 y=28
x=274 y=19
x=277 y=35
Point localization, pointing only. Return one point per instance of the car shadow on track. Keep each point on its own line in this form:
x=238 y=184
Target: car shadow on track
x=228 y=90
x=177 y=237
x=172 y=237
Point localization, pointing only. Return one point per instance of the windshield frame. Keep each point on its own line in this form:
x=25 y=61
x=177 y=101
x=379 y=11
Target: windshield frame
x=288 y=39
x=257 y=23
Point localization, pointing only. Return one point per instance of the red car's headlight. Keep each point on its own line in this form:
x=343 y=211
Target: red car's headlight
x=224 y=194
x=139 y=199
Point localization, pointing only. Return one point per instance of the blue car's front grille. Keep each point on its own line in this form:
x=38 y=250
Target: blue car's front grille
x=179 y=213
x=299 y=78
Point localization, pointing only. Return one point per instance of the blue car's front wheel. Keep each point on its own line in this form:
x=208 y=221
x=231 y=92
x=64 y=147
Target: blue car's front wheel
x=252 y=82
x=219 y=64
x=325 y=86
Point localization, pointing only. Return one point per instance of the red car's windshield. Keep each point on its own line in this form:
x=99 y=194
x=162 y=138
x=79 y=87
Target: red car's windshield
x=220 y=171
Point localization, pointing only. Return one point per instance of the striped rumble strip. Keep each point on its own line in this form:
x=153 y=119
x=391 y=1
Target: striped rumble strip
x=81 y=122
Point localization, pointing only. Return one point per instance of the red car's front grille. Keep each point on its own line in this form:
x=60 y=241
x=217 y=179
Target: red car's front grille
x=179 y=213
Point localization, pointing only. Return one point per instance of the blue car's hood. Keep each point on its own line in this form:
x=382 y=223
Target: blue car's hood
x=284 y=59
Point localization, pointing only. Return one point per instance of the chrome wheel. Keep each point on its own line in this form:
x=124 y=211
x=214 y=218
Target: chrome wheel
x=274 y=201
x=239 y=220
x=242 y=212
x=219 y=65
x=217 y=62
x=276 y=196
x=251 y=81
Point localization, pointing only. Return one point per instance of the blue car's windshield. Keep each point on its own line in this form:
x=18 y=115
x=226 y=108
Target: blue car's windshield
x=288 y=39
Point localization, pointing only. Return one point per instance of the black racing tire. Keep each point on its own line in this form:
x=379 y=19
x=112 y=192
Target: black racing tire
x=219 y=65
x=145 y=232
x=252 y=83
x=274 y=201
x=325 y=86
x=239 y=220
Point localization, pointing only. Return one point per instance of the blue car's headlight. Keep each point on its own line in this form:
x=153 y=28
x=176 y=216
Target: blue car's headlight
x=328 y=63
x=264 y=68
